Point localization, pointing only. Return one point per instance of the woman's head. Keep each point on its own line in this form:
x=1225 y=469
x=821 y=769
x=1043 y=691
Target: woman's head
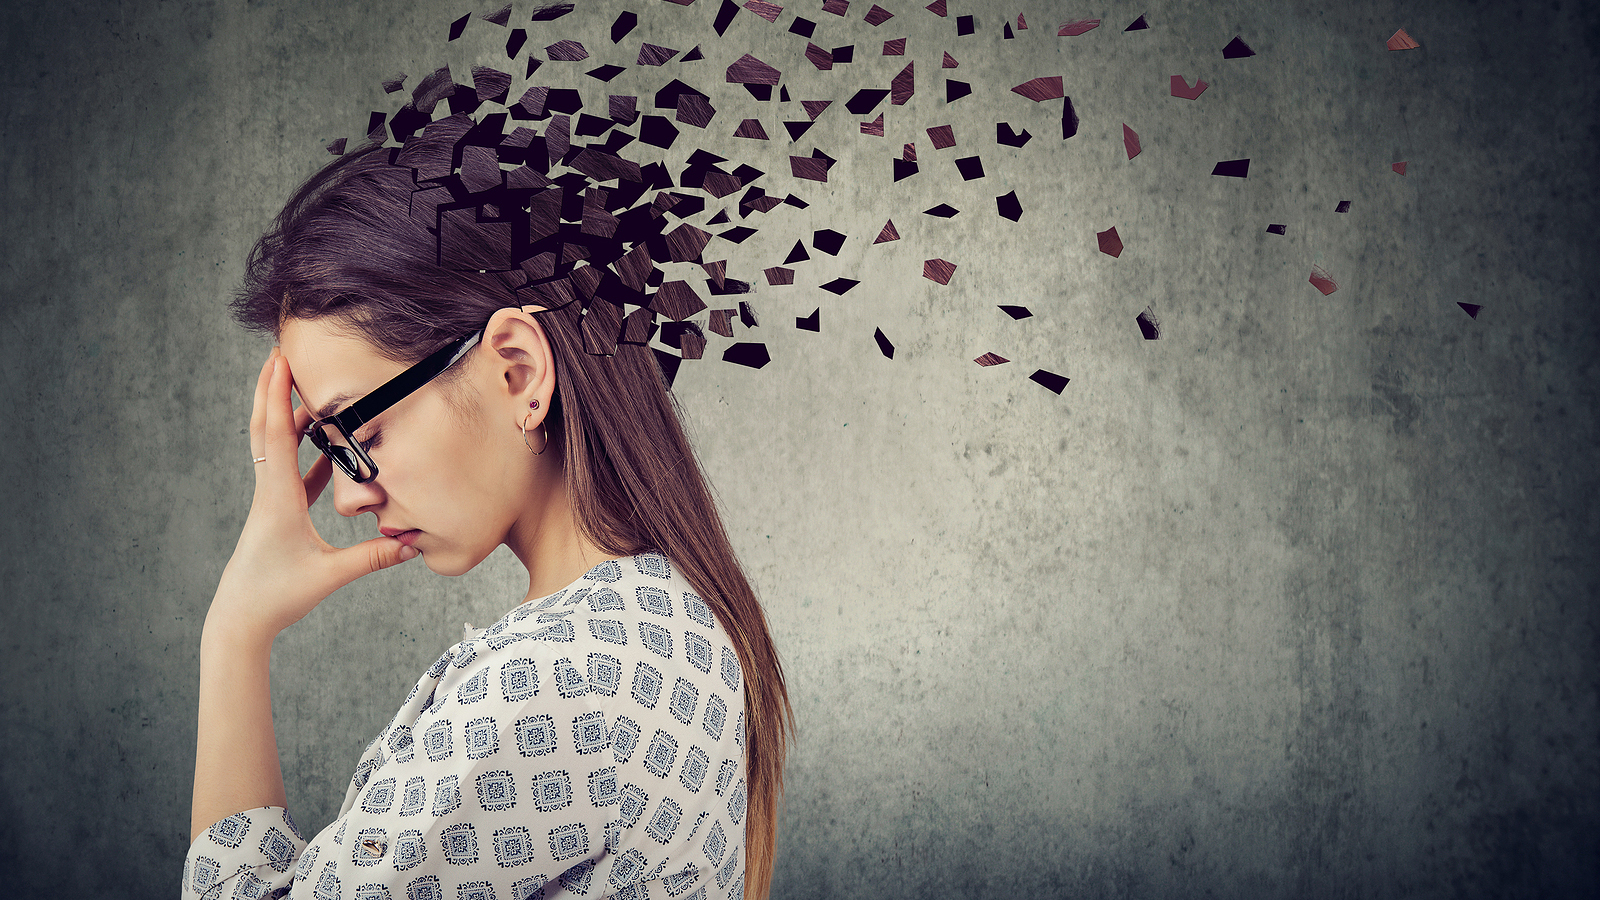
x=384 y=257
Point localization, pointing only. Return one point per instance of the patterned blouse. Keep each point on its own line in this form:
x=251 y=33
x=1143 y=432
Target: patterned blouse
x=589 y=744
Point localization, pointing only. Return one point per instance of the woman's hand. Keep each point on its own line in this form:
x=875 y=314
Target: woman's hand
x=281 y=568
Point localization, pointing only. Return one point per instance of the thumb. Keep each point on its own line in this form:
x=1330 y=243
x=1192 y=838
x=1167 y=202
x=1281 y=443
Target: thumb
x=371 y=555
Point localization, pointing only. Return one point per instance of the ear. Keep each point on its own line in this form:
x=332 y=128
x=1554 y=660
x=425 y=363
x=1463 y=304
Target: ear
x=521 y=365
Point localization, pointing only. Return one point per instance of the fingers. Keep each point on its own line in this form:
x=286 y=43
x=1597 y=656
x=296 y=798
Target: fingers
x=370 y=556
x=258 y=409
x=282 y=441
x=317 y=479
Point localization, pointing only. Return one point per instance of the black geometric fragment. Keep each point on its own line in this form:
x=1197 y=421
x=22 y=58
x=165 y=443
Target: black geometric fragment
x=965 y=25
x=828 y=241
x=840 y=286
x=866 y=100
x=625 y=23
x=749 y=354
x=904 y=168
x=1010 y=206
x=878 y=335
x=971 y=167
x=1049 y=380
x=954 y=90
x=943 y=211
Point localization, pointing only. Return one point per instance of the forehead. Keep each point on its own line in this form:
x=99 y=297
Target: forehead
x=331 y=366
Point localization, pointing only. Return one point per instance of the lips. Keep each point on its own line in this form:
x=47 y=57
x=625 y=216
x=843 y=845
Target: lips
x=406 y=537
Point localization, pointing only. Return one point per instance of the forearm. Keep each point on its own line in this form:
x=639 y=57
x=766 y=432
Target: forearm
x=236 y=753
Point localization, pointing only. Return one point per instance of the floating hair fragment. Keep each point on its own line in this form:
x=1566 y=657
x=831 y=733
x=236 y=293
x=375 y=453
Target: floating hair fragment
x=1149 y=326
x=940 y=270
x=1401 y=41
x=749 y=70
x=1322 y=281
x=815 y=108
x=654 y=54
x=887 y=234
x=1110 y=243
x=501 y=17
x=937 y=7
x=765 y=10
x=877 y=15
x=895 y=47
x=1077 y=27
x=942 y=136
x=1181 y=88
x=1041 y=88
x=779 y=275
x=904 y=85
x=551 y=12
x=1399 y=168
x=566 y=51
x=991 y=359
x=874 y=127
x=751 y=128
x=819 y=57
x=1130 y=141
x=949 y=62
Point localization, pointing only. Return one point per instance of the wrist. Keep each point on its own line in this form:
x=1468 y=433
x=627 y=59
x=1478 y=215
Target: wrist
x=235 y=635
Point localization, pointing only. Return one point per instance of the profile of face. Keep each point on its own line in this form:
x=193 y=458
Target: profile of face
x=455 y=478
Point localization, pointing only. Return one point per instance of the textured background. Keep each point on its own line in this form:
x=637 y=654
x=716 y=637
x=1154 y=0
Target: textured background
x=1297 y=601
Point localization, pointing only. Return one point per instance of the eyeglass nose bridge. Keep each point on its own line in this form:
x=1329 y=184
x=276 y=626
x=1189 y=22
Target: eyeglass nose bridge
x=348 y=455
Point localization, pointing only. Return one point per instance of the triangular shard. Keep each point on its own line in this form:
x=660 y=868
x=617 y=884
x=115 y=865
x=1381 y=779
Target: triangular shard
x=798 y=254
x=336 y=147
x=1049 y=380
x=904 y=168
x=668 y=365
x=887 y=234
x=1139 y=24
x=1470 y=309
x=1041 y=88
x=937 y=7
x=842 y=55
x=605 y=73
x=1130 y=141
x=501 y=17
x=783 y=94
x=1237 y=49
x=1022 y=23
x=1069 y=119
x=721 y=218
x=1006 y=32
x=949 y=62
x=796 y=129
x=1399 y=168
x=1401 y=41
x=459 y=26
x=883 y=341
x=514 y=42
x=815 y=108
x=991 y=359
x=1077 y=27
x=694 y=55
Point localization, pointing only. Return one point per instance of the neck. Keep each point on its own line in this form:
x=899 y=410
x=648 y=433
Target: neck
x=550 y=544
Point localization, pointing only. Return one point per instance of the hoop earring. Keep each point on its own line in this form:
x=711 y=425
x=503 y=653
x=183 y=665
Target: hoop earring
x=525 y=436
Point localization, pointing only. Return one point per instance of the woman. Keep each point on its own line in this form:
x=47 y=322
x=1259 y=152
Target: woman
x=622 y=731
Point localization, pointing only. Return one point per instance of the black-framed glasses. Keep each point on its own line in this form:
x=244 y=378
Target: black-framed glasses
x=335 y=435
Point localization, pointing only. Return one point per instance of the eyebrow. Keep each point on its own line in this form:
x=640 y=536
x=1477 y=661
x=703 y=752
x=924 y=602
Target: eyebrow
x=332 y=406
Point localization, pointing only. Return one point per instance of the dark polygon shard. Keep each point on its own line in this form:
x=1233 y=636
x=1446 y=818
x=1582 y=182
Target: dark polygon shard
x=668 y=97
x=592 y=126
x=1016 y=312
x=738 y=234
x=943 y=211
x=747 y=315
x=1343 y=207
x=672 y=333
x=605 y=72
x=762 y=92
x=904 y=168
x=751 y=128
x=654 y=55
x=883 y=340
x=1008 y=205
x=1233 y=168
x=840 y=286
x=797 y=129
x=1237 y=49
x=1470 y=309
x=844 y=54
x=795 y=202
x=1149 y=326
x=802 y=26
x=1139 y=24
x=459 y=26
x=564 y=100
x=725 y=15
x=747 y=173
x=375 y=131
x=514 y=43
x=971 y=167
x=753 y=355
x=406 y=122
x=812 y=322
x=1050 y=380
x=1069 y=119
x=828 y=241
x=798 y=254
x=534 y=63
x=865 y=100
x=658 y=131
x=1006 y=32
x=336 y=147
x=626 y=22
x=965 y=25
x=694 y=54
x=1277 y=229
x=1003 y=134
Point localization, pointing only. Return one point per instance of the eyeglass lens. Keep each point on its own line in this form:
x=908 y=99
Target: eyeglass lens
x=332 y=442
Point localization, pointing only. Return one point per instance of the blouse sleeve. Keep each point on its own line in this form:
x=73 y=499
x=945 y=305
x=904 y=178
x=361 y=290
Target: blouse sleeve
x=533 y=758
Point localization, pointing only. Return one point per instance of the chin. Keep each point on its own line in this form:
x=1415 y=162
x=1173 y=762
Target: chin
x=441 y=563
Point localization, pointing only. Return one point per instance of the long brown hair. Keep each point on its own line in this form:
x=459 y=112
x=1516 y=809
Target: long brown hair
x=351 y=244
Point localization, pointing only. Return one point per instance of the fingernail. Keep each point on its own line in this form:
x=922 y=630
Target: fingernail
x=407 y=552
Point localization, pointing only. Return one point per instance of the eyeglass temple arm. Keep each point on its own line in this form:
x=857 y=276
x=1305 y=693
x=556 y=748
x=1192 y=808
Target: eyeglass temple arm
x=396 y=388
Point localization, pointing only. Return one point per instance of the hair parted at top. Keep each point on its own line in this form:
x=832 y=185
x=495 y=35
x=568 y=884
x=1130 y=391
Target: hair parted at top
x=417 y=245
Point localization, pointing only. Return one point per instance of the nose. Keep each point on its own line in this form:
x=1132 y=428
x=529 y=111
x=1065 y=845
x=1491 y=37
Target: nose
x=352 y=499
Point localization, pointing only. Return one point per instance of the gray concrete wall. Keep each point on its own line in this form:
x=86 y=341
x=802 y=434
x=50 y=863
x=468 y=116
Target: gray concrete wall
x=1297 y=601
